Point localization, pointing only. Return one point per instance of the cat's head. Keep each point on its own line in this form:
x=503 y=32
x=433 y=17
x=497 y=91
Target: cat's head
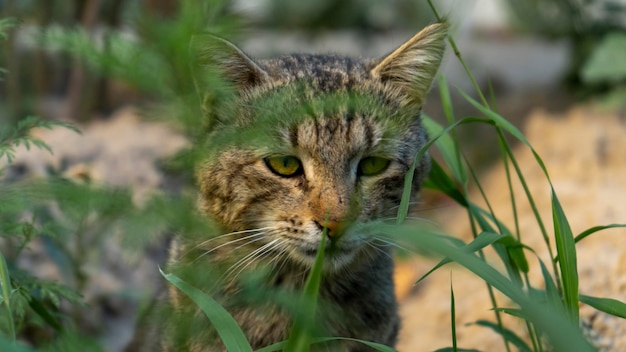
x=308 y=142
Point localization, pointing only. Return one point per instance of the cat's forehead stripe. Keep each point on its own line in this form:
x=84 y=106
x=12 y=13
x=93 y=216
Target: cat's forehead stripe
x=328 y=72
x=339 y=138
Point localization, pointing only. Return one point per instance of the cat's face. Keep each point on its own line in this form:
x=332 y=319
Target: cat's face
x=316 y=146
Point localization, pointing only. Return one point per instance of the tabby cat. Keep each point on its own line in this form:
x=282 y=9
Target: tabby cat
x=307 y=146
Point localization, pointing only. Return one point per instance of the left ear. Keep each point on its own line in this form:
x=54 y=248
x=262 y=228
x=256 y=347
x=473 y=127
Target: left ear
x=230 y=61
x=411 y=68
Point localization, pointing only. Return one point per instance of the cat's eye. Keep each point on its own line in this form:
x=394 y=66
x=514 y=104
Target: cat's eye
x=286 y=166
x=372 y=166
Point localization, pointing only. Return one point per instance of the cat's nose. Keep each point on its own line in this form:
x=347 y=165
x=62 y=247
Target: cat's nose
x=333 y=227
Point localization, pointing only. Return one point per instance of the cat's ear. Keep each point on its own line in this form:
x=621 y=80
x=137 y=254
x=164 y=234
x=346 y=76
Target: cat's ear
x=230 y=62
x=411 y=68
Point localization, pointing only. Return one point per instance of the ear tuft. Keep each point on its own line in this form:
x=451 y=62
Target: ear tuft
x=231 y=62
x=412 y=67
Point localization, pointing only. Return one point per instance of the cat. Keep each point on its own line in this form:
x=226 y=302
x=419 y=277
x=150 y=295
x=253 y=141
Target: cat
x=307 y=147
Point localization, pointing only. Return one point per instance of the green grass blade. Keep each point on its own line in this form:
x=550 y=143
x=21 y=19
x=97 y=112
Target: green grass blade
x=607 y=305
x=7 y=289
x=41 y=310
x=439 y=180
x=233 y=338
x=514 y=312
x=515 y=249
x=497 y=119
x=453 y=317
x=510 y=335
x=562 y=332
x=403 y=209
x=505 y=125
x=447 y=147
x=374 y=345
x=595 y=229
x=446 y=100
x=282 y=345
x=11 y=346
x=552 y=292
x=300 y=337
x=510 y=256
x=481 y=241
x=566 y=250
x=450 y=349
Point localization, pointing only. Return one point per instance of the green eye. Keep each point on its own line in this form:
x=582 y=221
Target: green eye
x=284 y=165
x=372 y=165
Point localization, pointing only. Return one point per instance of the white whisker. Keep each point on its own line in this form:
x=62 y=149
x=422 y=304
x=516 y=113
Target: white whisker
x=203 y=243
x=410 y=203
x=378 y=249
x=260 y=234
x=388 y=243
x=252 y=257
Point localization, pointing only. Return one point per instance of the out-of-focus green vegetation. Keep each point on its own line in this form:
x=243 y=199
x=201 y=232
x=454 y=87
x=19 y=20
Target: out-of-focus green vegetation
x=595 y=30
x=40 y=74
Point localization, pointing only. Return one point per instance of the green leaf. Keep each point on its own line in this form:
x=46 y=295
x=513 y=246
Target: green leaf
x=408 y=178
x=481 y=241
x=514 y=312
x=607 y=305
x=607 y=62
x=12 y=346
x=591 y=231
x=233 y=338
x=516 y=251
x=300 y=336
x=281 y=345
x=7 y=290
x=41 y=310
x=595 y=229
x=447 y=147
x=439 y=180
x=562 y=332
x=453 y=317
x=502 y=123
x=509 y=335
x=552 y=293
x=566 y=251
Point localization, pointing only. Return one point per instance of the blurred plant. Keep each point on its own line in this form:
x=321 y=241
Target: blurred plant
x=20 y=291
x=606 y=69
x=67 y=223
x=353 y=14
x=156 y=59
x=27 y=301
x=588 y=25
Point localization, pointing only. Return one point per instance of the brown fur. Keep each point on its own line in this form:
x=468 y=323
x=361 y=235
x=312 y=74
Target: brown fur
x=330 y=112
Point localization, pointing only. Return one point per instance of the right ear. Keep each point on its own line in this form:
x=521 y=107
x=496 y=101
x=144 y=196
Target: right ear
x=412 y=67
x=228 y=60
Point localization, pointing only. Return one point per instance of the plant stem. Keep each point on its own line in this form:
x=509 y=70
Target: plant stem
x=457 y=53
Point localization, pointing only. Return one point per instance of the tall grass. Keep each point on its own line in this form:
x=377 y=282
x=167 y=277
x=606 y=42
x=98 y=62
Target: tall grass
x=550 y=314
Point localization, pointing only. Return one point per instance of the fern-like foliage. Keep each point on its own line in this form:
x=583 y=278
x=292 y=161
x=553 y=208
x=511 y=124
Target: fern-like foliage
x=11 y=138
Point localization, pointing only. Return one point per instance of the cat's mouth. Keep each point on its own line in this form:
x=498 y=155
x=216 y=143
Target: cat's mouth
x=328 y=251
x=335 y=255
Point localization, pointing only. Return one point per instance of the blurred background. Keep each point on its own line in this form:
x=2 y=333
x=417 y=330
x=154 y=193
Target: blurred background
x=549 y=53
x=119 y=70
